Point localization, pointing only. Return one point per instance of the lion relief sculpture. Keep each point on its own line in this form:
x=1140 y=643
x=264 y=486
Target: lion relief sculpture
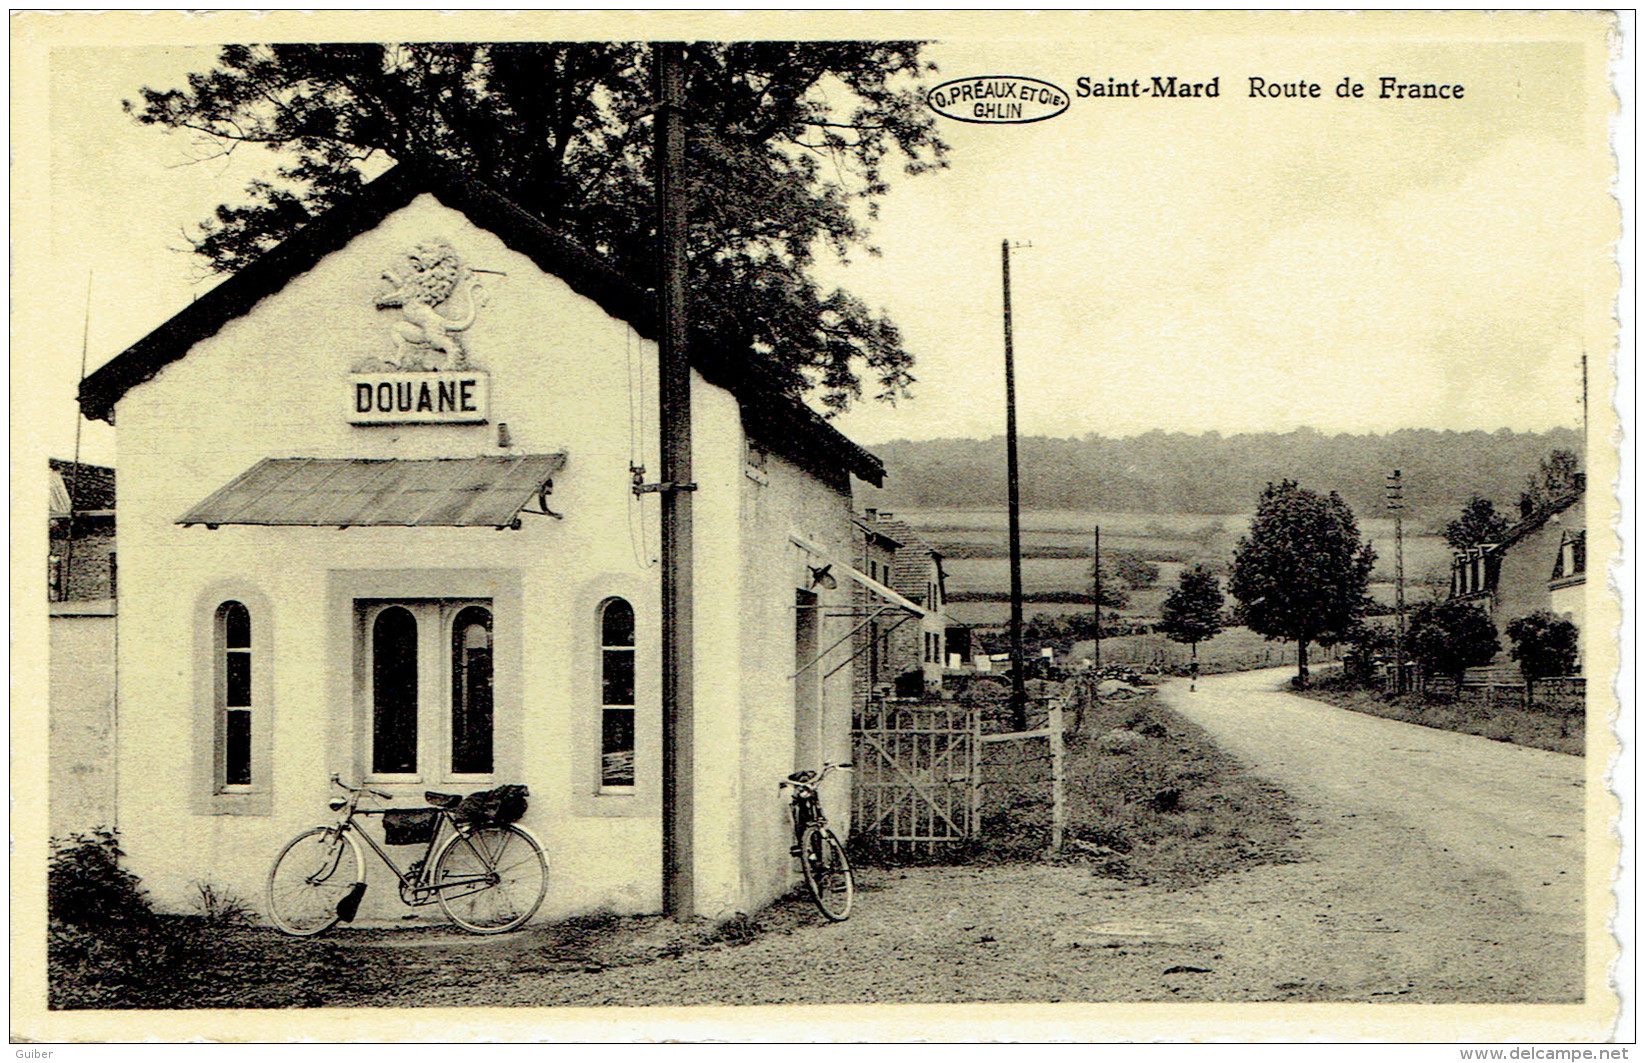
x=429 y=334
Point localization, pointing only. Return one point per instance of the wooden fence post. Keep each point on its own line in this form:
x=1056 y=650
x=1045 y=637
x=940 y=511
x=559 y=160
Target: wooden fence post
x=1059 y=809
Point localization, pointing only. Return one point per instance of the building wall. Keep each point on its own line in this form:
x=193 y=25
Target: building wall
x=873 y=663
x=87 y=571
x=777 y=502
x=80 y=746
x=272 y=384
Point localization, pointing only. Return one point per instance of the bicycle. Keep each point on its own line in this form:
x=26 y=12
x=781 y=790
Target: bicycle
x=487 y=877
x=828 y=874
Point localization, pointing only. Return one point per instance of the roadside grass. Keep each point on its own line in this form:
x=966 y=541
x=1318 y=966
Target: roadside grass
x=1501 y=722
x=1150 y=799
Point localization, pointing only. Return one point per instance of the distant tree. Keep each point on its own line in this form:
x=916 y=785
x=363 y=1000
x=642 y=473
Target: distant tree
x=1366 y=644
x=1302 y=571
x=1448 y=637
x=1479 y=523
x=1192 y=612
x=1556 y=476
x=1113 y=591
x=1136 y=572
x=1543 y=644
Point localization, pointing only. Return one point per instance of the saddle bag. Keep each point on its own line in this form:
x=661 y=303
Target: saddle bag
x=505 y=804
x=410 y=826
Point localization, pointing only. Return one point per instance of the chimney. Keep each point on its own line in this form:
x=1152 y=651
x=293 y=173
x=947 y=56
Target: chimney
x=871 y=513
x=886 y=516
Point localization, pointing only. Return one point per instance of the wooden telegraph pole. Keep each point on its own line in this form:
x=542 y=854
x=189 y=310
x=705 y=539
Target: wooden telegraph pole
x=1396 y=502
x=1019 y=692
x=674 y=426
x=1096 y=605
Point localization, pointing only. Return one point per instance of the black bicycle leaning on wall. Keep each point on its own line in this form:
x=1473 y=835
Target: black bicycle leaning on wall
x=828 y=873
x=487 y=874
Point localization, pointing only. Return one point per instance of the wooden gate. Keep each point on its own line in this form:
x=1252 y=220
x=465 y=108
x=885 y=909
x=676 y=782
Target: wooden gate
x=916 y=778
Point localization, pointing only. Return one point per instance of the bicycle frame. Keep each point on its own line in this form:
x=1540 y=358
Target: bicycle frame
x=416 y=889
x=805 y=806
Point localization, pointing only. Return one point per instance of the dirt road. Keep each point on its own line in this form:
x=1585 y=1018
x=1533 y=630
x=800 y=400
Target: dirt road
x=1432 y=867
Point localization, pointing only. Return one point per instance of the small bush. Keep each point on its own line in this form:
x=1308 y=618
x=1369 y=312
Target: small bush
x=218 y=907
x=86 y=886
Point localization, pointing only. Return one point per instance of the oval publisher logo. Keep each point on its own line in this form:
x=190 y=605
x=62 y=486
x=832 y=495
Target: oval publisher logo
x=997 y=100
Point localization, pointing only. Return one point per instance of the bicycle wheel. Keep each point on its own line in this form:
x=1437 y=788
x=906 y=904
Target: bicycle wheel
x=827 y=872
x=313 y=872
x=491 y=879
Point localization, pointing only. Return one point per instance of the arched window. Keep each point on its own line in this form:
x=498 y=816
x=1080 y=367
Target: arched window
x=394 y=692
x=471 y=723
x=234 y=695
x=616 y=619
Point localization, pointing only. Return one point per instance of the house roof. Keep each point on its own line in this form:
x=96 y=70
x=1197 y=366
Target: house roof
x=779 y=422
x=1529 y=526
x=910 y=568
x=91 y=486
x=874 y=531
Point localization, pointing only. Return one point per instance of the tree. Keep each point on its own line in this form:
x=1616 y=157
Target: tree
x=1192 y=612
x=1113 y=595
x=1479 y=523
x=1450 y=636
x=1367 y=643
x=789 y=150
x=1136 y=572
x=1556 y=476
x=1543 y=644
x=1301 y=572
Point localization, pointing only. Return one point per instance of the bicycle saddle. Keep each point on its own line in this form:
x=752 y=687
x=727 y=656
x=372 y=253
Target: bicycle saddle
x=439 y=800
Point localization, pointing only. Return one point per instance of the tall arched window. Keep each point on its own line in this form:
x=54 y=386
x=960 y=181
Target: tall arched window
x=394 y=692
x=234 y=694
x=471 y=722
x=616 y=693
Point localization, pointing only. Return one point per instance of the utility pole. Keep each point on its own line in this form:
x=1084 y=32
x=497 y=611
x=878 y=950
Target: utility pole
x=674 y=427
x=64 y=582
x=1019 y=692
x=1096 y=605
x=1396 y=503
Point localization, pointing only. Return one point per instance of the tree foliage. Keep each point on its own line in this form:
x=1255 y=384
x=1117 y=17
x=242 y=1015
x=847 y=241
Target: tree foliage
x=1543 y=644
x=1207 y=472
x=1302 y=571
x=1114 y=595
x=789 y=149
x=1556 y=476
x=1192 y=612
x=1136 y=572
x=1479 y=523
x=1448 y=637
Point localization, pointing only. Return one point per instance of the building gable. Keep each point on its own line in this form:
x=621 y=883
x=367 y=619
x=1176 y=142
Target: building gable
x=783 y=424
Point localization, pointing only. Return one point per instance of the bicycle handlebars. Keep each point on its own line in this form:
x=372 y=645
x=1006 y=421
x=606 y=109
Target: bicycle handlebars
x=337 y=780
x=812 y=778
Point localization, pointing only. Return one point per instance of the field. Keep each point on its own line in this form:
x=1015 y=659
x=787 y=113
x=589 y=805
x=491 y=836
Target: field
x=1057 y=545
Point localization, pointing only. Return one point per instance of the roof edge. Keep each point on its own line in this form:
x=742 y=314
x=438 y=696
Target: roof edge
x=778 y=417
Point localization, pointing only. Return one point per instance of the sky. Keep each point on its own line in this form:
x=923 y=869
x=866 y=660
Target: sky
x=1229 y=264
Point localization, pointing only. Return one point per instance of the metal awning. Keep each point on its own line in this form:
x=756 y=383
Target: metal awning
x=483 y=492
x=892 y=602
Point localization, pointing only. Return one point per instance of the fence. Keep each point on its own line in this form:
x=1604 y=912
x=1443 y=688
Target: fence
x=915 y=786
x=923 y=769
x=1504 y=685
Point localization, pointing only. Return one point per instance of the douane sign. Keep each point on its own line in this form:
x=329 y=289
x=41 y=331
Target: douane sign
x=419 y=398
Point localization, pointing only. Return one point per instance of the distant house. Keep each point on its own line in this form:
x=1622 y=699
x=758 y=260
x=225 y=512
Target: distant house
x=911 y=656
x=1540 y=564
x=81 y=564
